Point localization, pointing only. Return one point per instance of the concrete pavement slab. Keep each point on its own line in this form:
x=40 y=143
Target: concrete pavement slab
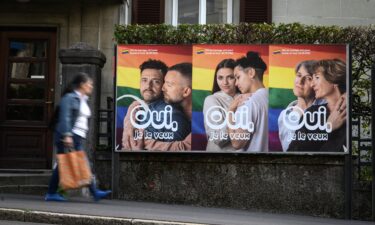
x=35 y=209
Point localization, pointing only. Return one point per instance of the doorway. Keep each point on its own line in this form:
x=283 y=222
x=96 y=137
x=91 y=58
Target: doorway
x=27 y=82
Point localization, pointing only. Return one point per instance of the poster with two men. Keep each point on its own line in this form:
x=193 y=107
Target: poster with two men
x=232 y=98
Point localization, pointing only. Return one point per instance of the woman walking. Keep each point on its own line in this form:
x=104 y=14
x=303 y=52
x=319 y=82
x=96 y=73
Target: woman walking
x=71 y=128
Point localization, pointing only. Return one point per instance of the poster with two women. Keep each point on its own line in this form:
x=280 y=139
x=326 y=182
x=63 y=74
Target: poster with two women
x=232 y=98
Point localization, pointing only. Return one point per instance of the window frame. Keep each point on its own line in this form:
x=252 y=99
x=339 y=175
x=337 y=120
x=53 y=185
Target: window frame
x=202 y=10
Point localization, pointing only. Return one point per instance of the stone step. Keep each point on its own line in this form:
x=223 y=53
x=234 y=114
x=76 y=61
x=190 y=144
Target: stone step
x=7 y=179
x=31 y=182
x=28 y=171
x=14 y=181
x=24 y=189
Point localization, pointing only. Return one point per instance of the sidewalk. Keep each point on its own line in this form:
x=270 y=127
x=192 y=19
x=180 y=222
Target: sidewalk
x=84 y=211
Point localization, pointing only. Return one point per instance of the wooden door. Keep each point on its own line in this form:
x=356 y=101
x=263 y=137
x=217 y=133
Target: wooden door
x=27 y=82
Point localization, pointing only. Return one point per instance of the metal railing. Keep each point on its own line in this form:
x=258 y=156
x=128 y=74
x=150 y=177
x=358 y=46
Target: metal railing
x=361 y=145
x=105 y=123
x=363 y=142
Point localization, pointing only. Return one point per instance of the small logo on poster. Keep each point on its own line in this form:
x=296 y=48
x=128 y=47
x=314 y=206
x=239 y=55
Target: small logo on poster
x=292 y=52
x=200 y=51
x=140 y=51
x=209 y=51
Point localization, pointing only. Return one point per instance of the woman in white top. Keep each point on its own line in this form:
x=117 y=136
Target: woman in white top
x=70 y=124
x=216 y=105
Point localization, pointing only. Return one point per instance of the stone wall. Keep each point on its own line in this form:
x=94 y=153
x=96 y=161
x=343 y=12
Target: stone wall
x=284 y=183
x=324 y=12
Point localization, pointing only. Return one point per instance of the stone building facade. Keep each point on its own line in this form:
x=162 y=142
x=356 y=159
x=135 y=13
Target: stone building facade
x=32 y=34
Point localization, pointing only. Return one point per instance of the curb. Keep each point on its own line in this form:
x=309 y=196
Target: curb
x=75 y=219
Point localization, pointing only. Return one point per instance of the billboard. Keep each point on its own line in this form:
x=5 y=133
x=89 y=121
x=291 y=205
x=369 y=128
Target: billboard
x=232 y=98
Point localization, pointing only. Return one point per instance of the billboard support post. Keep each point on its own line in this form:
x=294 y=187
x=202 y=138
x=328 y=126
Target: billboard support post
x=348 y=157
x=373 y=137
x=348 y=186
x=115 y=155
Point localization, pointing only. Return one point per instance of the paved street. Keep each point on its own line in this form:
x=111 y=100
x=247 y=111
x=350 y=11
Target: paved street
x=160 y=212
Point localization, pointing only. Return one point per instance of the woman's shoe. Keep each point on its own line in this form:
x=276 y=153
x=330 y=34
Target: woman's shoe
x=54 y=197
x=96 y=193
x=99 y=194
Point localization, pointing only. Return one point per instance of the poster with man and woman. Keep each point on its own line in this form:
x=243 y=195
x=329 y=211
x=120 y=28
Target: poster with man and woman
x=232 y=98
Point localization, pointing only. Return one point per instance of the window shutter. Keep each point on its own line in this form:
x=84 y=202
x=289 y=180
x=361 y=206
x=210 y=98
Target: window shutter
x=255 y=11
x=148 y=11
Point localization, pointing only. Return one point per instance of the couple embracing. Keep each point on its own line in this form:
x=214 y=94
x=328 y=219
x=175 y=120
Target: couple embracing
x=161 y=121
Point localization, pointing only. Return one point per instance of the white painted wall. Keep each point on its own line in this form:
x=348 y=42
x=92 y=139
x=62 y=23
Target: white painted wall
x=324 y=12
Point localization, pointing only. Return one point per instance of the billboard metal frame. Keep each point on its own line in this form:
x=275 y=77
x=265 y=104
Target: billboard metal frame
x=373 y=136
x=348 y=157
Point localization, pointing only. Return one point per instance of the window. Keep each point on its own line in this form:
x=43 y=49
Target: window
x=188 y=11
x=216 y=11
x=145 y=11
x=201 y=11
x=256 y=11
x=195 y=11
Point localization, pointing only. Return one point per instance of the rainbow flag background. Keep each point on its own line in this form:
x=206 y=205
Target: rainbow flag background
x=283 y=60
x=129 y=58
x=205 y=60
